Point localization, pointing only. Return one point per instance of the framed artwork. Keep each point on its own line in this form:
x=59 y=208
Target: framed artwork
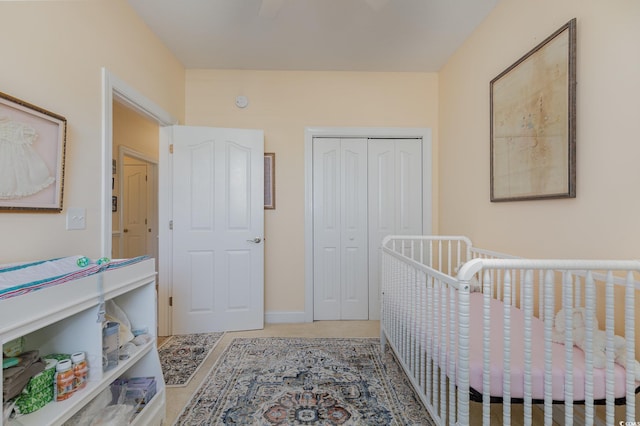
x=269 y=180
x=32 y=150
x=533 y=122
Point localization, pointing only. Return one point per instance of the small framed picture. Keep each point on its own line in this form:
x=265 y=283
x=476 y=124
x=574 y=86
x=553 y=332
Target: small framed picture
x=269 y=180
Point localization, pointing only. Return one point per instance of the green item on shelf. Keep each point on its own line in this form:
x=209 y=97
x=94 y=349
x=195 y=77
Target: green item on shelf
x=57 y=357
x=39 y=390
x=10 y=362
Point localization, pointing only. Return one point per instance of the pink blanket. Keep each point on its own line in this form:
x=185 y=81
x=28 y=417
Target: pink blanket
x=537 y=358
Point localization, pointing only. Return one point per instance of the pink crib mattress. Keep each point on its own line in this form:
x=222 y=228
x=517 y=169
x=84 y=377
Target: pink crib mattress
x=537 y=358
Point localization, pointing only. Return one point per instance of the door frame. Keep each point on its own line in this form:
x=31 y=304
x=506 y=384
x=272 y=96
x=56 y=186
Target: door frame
x=363 y=132
x=115 y=89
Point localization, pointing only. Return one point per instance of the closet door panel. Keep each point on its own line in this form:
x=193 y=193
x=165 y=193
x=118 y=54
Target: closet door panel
x=408 y=187
x=354 y=276
x=395 y=200
x=327 y=225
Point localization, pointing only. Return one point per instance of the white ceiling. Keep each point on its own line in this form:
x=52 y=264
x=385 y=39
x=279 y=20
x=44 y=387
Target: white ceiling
x=344 y=35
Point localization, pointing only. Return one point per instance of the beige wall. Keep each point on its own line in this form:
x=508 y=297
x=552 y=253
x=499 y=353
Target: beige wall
x=52 y=56
x=134 y=131
x=603 y=220
x=283 y=104
x=55 y=62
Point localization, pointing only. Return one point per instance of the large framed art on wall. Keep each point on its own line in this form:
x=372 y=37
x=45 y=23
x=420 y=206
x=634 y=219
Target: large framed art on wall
x=533 y=122
x=32 y=151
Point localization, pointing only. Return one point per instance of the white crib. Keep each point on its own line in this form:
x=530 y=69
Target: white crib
x=474 y=325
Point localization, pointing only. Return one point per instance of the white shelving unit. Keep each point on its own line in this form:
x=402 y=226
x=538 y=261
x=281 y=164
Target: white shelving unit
x=64 y=319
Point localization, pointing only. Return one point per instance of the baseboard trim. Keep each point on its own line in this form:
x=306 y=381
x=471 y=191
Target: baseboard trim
x=284 y=317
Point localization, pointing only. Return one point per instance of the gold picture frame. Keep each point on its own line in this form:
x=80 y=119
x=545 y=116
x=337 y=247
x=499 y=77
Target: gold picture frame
x=32 y=153
x=269 y=181
x=533 y=122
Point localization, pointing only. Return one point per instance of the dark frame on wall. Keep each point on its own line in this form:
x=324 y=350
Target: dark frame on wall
x=32 y=152
x=533 y=122
x=269 y=181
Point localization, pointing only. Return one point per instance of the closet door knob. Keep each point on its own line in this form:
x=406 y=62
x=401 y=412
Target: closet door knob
x=125 y=230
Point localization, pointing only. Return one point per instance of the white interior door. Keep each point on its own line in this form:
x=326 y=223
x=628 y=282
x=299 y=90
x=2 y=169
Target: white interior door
x=134 y=210
x=218 y=228
x=340 y=229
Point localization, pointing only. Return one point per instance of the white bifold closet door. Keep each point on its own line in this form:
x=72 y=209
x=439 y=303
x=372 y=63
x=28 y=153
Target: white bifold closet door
x=363 y=190
x=395 y=200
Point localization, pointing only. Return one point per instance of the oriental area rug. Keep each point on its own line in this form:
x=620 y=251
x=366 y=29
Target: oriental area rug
x=182 y=355
x=304 y=381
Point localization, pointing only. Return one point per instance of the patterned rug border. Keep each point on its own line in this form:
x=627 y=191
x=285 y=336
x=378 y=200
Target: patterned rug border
x=222 y=358
x=177 y=336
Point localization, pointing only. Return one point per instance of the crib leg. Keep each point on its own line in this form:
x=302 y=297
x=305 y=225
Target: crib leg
x=383 y=341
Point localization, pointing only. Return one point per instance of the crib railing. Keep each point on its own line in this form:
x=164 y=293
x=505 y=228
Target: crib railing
x=426 y=320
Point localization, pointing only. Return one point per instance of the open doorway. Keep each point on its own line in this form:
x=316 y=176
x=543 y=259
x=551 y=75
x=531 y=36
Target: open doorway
x=117 y=92
x=135 y=221
x=134 y=184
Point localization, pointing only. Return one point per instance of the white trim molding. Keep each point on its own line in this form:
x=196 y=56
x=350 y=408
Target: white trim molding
x=284 y=317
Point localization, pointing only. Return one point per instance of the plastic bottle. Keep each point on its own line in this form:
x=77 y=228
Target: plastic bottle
x=80 y=370
x=64 y=380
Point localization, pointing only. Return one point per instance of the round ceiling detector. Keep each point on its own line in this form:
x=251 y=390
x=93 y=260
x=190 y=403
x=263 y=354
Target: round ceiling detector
x=242 y=101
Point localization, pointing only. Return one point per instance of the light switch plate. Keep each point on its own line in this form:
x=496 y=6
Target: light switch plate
x=76 y=218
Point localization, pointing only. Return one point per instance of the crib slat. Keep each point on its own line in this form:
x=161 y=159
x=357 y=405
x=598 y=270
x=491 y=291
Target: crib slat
x=567 y=303
x=463 y=358
x=590 y=306
x=451 y=357
x=486 y=349
x=630 y=333
x=430 y=356
x=443 y=349
x=506 y=374
x=609 y=328
x=549 y=303
x=527 y=290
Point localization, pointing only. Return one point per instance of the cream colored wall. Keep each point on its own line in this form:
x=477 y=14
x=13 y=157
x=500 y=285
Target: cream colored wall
x=52 y=57
x=283 y=104
x=134 y=131
x=602 y=221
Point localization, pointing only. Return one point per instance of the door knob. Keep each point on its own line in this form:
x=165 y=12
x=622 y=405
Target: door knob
x=256 y=240
x=125 y=230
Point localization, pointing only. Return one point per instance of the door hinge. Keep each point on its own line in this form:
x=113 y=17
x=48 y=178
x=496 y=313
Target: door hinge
x=171 y=301
x=171 y=224
x=170 y=148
